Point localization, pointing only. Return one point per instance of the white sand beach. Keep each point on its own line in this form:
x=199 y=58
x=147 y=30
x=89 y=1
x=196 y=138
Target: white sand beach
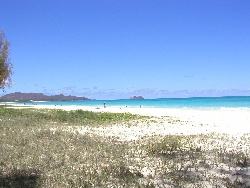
x=186 y=121
x=230 y=128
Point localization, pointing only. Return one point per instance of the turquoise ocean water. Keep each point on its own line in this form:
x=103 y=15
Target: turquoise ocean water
x=196 y=102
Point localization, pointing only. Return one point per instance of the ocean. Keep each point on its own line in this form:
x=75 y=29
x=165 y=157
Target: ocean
x=195 y=102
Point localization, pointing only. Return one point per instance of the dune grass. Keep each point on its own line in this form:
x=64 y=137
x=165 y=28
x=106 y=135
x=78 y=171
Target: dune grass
x=202 y=160
x=29 y=116
x=37 y=151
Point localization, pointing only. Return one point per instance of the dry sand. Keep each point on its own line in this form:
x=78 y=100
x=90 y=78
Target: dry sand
x=233 y=121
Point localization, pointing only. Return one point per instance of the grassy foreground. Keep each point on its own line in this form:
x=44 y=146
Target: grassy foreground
x=36 y=150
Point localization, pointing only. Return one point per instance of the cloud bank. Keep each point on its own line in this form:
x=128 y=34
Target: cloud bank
x=96 y=93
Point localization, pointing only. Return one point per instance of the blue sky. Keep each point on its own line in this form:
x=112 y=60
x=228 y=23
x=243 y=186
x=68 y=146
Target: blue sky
x=111 y=49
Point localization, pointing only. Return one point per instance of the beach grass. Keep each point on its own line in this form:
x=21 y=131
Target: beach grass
x=37 y=149
x=30 y=116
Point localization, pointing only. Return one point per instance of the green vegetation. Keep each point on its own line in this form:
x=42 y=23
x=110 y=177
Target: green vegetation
x=38 y=150
x=78 y=117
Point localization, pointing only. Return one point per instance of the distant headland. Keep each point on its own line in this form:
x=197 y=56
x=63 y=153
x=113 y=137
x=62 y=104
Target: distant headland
x=25 y=97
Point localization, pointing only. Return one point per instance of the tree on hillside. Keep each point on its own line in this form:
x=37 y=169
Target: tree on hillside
x=6 y=67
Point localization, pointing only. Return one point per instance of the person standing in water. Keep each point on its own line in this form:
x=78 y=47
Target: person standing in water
x=104 y=105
